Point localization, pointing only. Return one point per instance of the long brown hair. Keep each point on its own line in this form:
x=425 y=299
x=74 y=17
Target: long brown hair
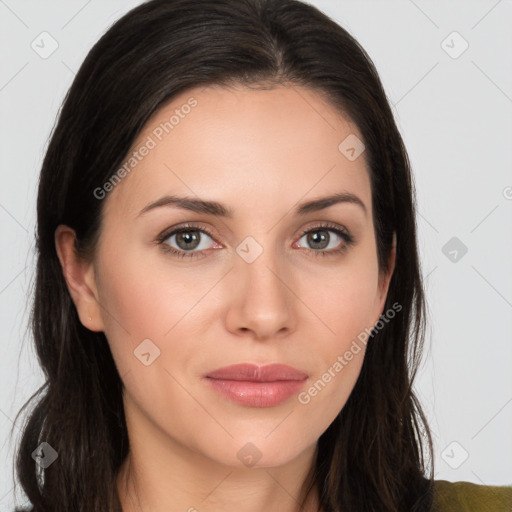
x=376 y=453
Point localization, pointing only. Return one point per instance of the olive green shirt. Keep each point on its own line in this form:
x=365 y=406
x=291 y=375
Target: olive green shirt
x=469 y=497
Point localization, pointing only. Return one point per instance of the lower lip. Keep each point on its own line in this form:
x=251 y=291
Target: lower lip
x=257 y=394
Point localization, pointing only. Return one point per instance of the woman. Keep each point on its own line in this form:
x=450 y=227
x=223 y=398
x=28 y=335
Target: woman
x=229 y=307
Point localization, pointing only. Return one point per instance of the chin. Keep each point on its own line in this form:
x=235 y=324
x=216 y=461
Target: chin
x=255 y=453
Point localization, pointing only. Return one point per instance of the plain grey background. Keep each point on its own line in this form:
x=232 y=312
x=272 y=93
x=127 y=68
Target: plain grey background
x=447 y=70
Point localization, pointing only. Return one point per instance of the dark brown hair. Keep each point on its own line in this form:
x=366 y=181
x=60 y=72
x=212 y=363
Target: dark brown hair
x=374 y=456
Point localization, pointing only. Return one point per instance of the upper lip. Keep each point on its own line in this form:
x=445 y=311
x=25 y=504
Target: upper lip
x=255 y=373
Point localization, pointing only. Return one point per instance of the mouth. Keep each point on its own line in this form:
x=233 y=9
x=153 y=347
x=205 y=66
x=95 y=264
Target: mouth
x=257 y=386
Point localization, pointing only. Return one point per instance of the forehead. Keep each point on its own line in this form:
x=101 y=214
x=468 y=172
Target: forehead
x=242 y=145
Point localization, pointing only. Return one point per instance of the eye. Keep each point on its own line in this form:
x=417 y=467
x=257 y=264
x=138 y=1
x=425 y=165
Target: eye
x=190 y=243
x=319 y=238
x=188 y=238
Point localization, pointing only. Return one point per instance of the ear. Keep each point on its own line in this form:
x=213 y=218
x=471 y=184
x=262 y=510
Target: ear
x=80 y=279
x=384 y=279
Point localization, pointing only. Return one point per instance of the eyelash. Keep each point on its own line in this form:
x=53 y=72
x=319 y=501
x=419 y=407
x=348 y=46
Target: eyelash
x=349 y=240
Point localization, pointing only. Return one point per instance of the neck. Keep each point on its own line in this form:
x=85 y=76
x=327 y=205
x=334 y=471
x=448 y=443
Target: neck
x=150 y=484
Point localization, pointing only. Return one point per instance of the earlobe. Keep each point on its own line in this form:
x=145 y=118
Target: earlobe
x=79 y=277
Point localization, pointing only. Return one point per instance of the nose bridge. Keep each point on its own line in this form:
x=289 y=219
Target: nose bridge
x=258 y=264
x=262 y=300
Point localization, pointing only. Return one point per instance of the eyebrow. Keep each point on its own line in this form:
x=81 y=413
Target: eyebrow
x=219 y=210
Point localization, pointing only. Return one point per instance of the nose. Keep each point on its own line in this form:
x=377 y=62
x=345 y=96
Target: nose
x=262 y=301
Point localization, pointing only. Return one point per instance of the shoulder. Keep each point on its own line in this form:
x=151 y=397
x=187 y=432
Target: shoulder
x=469 y=497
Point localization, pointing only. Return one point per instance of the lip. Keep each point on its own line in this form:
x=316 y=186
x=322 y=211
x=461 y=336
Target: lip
x=257 y=386
x=254 y=373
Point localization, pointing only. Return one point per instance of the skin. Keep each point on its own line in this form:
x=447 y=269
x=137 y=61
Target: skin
x=260 y=152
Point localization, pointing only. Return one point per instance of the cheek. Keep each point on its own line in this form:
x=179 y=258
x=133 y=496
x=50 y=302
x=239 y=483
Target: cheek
x=152 y=318
x=346 y=306
x=346 y=302
x=154 y=298
x=137 y=302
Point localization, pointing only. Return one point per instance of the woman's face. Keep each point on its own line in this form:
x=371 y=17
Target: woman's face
x=255 y=289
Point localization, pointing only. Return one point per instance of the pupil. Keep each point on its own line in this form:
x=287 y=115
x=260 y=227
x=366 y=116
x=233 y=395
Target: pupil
x=188 y=239
x=317 y=238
